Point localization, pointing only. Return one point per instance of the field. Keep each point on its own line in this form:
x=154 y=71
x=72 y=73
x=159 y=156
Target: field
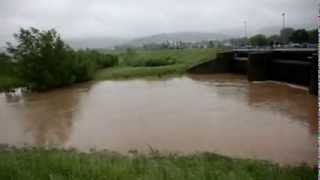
x=183 y=59
x=41 y=164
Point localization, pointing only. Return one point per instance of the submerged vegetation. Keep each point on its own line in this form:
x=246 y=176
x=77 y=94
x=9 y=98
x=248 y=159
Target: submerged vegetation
x=60 y=164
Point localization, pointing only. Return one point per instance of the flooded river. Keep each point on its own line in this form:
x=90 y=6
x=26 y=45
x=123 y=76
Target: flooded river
x=218 y=113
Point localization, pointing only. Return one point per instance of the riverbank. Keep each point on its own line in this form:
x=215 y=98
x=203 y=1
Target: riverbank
x=135 y=72
x=134 y=65
x=183 y=59
x=60 y=164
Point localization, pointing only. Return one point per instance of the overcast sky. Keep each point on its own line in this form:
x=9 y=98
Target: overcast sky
x=134 y=18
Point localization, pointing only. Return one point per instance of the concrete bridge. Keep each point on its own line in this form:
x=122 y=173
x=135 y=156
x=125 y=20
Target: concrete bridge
x=296 y=66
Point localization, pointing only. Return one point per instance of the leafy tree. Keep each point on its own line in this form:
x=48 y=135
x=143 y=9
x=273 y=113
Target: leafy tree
x=274 y=39
x=6 y=65
x=285 y=34
x=238 y=42
x=299 y=36
x=4 y=57
x=86 y=63
x=258 y=40
x=313 y=36
x=44 y=60
x=211 y=44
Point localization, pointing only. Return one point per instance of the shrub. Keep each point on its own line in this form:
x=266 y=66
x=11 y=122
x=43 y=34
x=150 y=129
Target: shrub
x=101 y=60
x=44 y=61
x=83 y=68
x=150 y=62
x=108 y=60
x=7 y=67
x=159 y=62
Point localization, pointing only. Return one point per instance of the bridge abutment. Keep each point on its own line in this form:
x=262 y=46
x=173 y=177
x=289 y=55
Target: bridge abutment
x=287 y=65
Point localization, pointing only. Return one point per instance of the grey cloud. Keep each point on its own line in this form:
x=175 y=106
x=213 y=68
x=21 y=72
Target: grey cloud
x=133 y=18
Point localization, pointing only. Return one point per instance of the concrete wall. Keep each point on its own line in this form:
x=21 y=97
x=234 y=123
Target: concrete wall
x=293 y=66
x=221 y=64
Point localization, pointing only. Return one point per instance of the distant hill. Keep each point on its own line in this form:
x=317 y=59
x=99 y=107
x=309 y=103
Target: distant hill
x=2 y=49
x=110 y=42
x=95 y=43
x=178 y=36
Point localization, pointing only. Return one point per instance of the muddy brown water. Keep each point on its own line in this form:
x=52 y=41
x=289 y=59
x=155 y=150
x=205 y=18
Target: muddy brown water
x=217 y=113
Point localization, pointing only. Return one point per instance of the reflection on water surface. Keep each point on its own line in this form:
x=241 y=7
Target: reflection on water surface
x=220 y=113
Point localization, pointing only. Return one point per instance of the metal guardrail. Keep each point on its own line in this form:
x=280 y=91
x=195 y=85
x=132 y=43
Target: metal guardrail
x=278 y=49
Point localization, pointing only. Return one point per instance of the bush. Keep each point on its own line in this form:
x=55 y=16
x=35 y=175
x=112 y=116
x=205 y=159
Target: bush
x=108 y=60
x=83 y=68
x=258 y=40
x=101 y=60
x=7 y=67
x=150 y=62
x=44 y=61
x=159 y=62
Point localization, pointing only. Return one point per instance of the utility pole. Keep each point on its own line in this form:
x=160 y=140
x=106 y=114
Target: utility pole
x=245 y=32
x=245 y=29
x=283 y=27
x=283 y=20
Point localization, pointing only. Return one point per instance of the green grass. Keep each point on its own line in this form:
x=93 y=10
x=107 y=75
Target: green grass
x=184 y=59
x=39 y=164
x=133 y=72
x=181 y=55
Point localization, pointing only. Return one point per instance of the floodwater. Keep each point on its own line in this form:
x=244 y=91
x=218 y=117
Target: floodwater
x=217 y=113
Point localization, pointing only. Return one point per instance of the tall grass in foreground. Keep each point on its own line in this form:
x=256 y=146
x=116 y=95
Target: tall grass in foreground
x=42 y=164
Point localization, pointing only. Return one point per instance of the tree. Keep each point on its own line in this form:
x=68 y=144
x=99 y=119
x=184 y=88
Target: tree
x=285 y=34
x=299 y=36
x=6 y=65
x=258 y=40
x=4 y=57
x=313 y=36
x=211 y=44
x=238 y=42
x=44 y=60
x=274 y=39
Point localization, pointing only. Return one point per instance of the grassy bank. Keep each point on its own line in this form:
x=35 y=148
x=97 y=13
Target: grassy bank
x=133 y=72
x=183 y=59
x=140 y=64
x=57 y=164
